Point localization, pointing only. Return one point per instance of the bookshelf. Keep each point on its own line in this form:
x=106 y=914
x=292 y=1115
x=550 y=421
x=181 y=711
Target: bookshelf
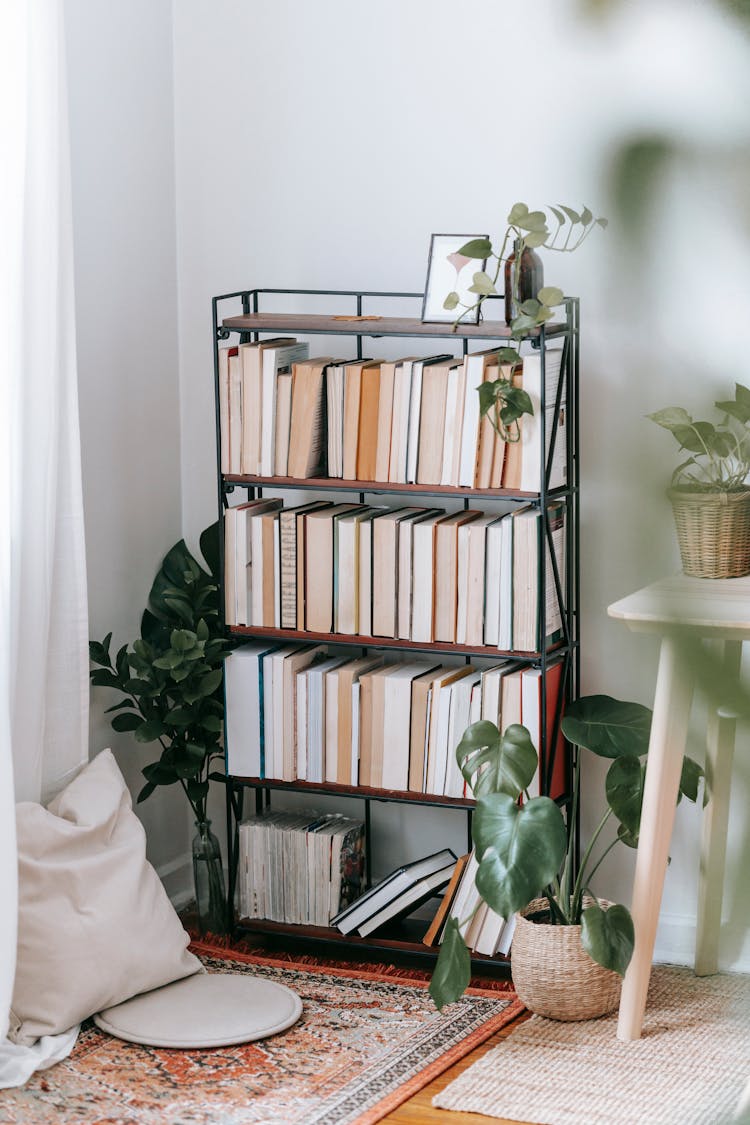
x=357 y=316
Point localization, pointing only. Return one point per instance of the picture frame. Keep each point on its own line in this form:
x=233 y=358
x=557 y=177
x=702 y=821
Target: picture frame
x=448 y=272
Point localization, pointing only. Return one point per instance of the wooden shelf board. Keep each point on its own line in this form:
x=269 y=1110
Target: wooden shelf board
x=359 y=641
x=360 y=791
x=334 y=483
x=316 y=324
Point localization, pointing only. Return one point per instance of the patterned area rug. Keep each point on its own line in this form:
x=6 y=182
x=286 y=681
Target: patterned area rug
x=689 y=1067
x=366 y=1042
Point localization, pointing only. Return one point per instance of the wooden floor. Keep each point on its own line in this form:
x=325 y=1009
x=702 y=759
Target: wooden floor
x=419 y=1110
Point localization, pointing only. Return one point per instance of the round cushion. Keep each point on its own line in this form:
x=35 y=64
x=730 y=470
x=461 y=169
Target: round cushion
x=204 y=1010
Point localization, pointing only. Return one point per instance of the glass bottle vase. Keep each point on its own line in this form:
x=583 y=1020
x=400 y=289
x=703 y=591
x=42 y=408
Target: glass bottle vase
x=528 y=284
x=208 y=876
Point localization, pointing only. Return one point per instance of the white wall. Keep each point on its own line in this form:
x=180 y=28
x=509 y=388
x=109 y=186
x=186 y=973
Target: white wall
x=122 y=141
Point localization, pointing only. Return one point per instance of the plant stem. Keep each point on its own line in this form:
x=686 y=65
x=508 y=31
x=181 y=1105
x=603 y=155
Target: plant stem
x=602 y=857
x=578 y=888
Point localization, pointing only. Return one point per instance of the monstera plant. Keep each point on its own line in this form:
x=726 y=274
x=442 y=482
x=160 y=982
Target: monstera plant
x=526 y=847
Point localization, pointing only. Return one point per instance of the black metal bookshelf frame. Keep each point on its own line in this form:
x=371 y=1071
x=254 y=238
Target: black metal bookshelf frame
x=251 y=325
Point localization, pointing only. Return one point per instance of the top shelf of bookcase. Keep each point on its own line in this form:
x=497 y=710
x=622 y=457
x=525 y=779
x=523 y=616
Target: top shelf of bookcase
x=315 y=324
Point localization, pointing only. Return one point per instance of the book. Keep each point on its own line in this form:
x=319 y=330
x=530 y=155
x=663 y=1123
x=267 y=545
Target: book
x=531 y=717
x=385 y=419
x=224 y=355
x=276 y=360
x=308 y=440
x=485 y=449
x=406 y=572
x=458 y=720
x=421 y=692
x=369 y=408
x=436 y=925
x=271 y=669
x=474 y=374
x=432 y=421
x=235 y=412
x=346 y=605
x=423 y=587
x=437 y=736
x=316 y=763
x=414 y=421
x=392 y=693
x=319 y=533
x=446 y=573
x=283 y=422
x=531 y=551
x=400 y=414
x=289 y=582
x=263 y=550
x=284 y=671
x=472 y=543
x=243 y=554
x=523 y=467
x=251 y=362
x=385 y=534
x=243 y=696
x=454 y=409
x=352 y=404
x=408 y=900
x=341 y=727
x=335 y=418
x=389 y=888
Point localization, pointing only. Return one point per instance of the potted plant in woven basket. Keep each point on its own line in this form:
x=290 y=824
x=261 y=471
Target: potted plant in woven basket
x=570 y=948
x=709 y=492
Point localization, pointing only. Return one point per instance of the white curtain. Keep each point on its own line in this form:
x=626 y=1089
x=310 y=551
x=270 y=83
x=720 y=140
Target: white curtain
x=44 y=638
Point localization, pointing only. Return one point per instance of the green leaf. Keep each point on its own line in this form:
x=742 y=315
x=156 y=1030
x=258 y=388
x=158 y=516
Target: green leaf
x=147 y=790
x=626 y=837
x=608 y=727
x=127 y=721
x=508 y=355
x=209 y=545
x=603 y=223
x=492 y=763
x=517 y=212
x=536 y=237
x=197 y=790
x=671 y=417
x=212 y=723
x=690 y=779
x=572 y=215
x=535 y=221
x=738 y=410
x=102 y=678
x=521 y=849
x=551 y=295
x=608 y=936
x=483 y=283
x=182 y=640
x=530 y=307
x=160 y=773
x=476 y=248
x=522 y=324
x=451 y=301
x=150 y=731
x=180 y=607
x=201 y=631
x=452 y=972
x=558 y=215
x=137 y=687
x=586 y=216
x=516 y=403
x=169 y=661
x=624 y=789
x=209 y=683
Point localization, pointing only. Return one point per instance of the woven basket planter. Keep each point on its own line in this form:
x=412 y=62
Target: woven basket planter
x=713 y=530
x=552 y=973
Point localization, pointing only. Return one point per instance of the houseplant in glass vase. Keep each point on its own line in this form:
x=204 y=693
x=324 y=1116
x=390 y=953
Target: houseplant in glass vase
x=569 y=948
x=171 y=682
x=709 y=490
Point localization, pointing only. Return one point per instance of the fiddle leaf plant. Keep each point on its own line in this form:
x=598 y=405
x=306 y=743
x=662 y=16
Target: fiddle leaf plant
x=525 y=846
x=719 y=458
x=559 y=229
x=171 y=677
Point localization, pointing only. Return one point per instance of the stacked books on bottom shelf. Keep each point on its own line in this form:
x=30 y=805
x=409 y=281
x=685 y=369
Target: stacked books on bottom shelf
x=299 y=868
x=400 y=893
x=483 y=930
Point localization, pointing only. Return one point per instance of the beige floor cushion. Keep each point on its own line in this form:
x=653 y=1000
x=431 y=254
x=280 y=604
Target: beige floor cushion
x=95 y=925
x=209 y=1010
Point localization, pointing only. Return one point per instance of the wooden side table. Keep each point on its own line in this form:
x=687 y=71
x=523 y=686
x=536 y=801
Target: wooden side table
x=683 y=612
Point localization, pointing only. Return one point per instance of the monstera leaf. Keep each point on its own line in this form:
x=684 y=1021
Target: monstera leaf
x=520 y=849
x=495 y=763
x=608 y=936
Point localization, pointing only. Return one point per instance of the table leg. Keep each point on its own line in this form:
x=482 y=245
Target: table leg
x=674 y=691
x=719 y=754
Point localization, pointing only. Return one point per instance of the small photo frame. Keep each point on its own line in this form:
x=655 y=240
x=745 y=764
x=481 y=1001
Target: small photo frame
x=448 y=272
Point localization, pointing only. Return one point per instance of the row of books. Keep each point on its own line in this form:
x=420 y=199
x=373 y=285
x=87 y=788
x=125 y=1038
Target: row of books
x=483 y=929
x=297 y=713
x=300 y=868
x=407 y=421
x=418 y=574
x=398 y=894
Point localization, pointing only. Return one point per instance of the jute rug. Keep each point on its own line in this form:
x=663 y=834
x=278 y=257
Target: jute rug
x=689 y=1068
x=368 y=1039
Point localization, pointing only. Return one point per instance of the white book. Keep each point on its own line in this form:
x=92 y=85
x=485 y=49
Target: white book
x=346 y=594
x=531 y=428
x=460 y=718
x=301 y=724
x=335 y=418
x=250 y=362
x=506 y=937
x=409 y=898
x=316 y=718
x=235 y=414
x=275 y=360
x=415 y=412
x=364 y=594
x=355 y=733
x=451 y=429
x=462 y=581
x=224 y=408
x=277 y=575
x=505 y=638
x=423 y=587
x=467 y=896
x=244 y=710
x=230 y=565
x=493 y=569
x=474 y=373
x=402 y=391
x=397 y=724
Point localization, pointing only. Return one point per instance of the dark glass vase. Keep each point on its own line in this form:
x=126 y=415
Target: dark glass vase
x=530 y=281
x=208 y=875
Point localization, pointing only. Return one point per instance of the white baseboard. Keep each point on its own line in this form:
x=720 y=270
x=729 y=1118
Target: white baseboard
x=675 y=944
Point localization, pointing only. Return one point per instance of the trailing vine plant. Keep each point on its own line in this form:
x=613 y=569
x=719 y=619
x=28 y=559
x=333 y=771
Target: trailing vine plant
x=500 y=401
